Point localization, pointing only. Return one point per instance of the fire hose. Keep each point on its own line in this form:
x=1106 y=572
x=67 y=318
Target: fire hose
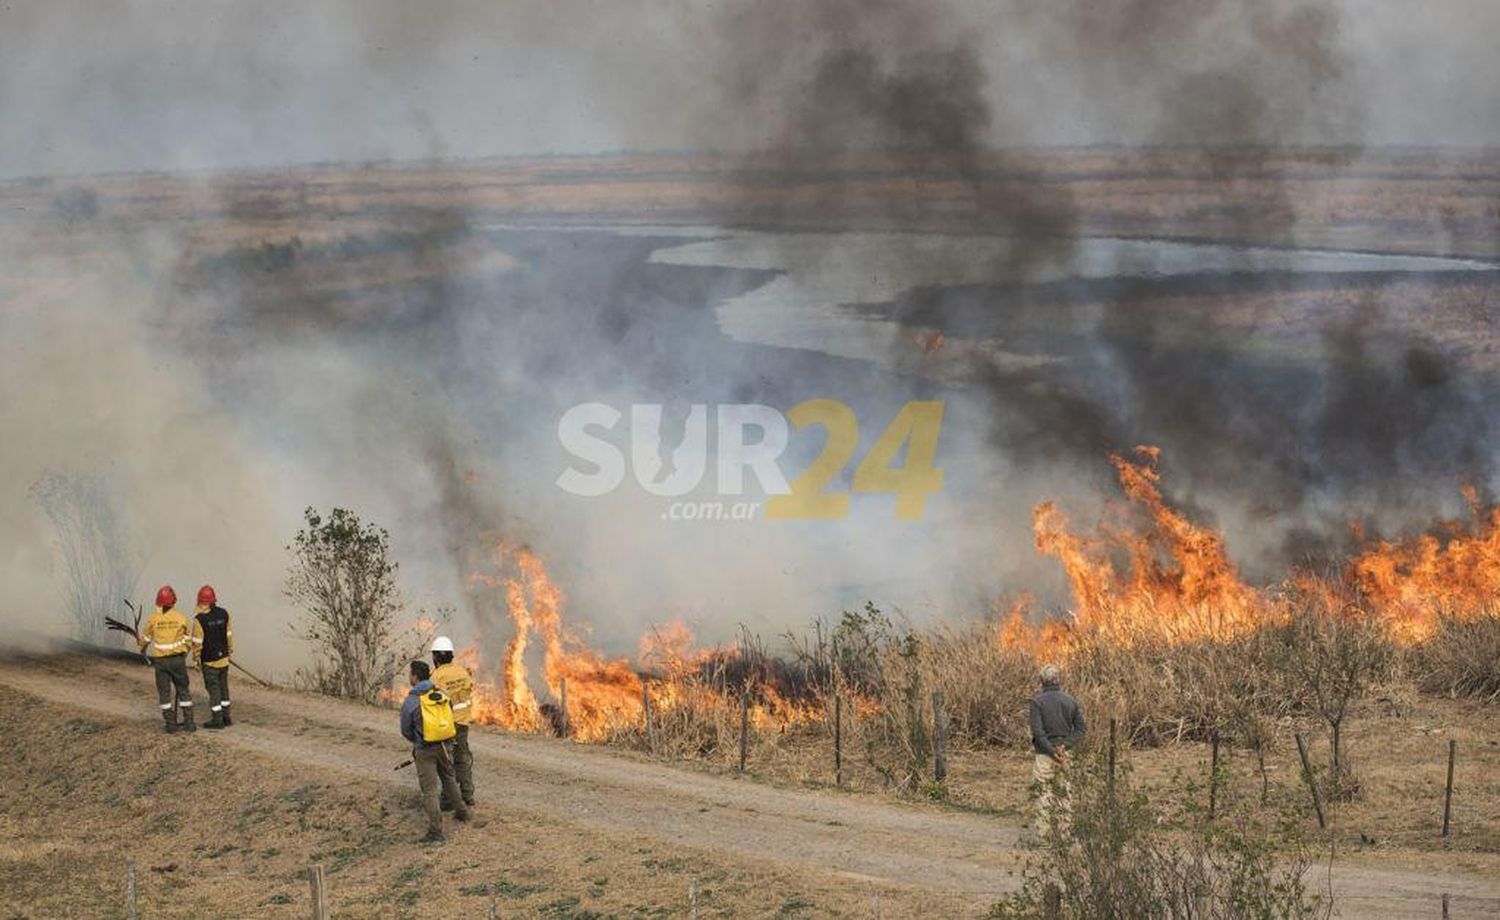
x=243 y=670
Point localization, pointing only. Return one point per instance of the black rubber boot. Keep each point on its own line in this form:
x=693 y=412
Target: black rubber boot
x=169 y=722
x=224 y=714
x=187 y=719
x=215 y=722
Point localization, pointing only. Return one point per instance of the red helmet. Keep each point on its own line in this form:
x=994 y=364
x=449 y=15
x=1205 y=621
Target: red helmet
x=207 y=597
x=165 y=596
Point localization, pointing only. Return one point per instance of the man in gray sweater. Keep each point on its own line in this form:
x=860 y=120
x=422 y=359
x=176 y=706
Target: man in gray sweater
x=1056 y=726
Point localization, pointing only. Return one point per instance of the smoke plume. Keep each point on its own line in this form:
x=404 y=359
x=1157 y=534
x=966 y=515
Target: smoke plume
x=221 y=349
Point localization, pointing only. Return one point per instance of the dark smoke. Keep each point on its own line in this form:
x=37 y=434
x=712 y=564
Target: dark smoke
x=338 y=337
x=895 y=88
x=1374 y=425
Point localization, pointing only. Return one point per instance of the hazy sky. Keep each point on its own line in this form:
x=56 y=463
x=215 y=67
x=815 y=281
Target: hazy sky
x=88 y=86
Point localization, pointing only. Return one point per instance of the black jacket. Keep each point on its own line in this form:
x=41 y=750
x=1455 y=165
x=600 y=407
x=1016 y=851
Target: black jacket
x=214 y=626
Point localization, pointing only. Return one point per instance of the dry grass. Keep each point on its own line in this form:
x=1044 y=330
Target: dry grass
x=1395 y=742
x=216 y=832
x=1254 y=692
x=1461 y=659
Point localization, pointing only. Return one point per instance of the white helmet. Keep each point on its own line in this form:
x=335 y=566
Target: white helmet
x=442 y=644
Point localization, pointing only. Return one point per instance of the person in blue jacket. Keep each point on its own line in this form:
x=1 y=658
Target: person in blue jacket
x=433 y=759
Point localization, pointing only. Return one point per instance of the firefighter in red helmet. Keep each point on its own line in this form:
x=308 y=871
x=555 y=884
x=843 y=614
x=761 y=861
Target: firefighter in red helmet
x=213 y=643
x=166 y=638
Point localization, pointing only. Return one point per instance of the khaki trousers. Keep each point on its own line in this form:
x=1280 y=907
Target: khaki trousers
x=434 y=763
x=463 y=768
x=1052 y=795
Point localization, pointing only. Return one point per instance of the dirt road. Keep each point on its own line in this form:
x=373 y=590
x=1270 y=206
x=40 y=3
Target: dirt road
x=867 y=839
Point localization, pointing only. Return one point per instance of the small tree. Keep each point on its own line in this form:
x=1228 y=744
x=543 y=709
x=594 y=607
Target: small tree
x=1333 y=657
x=345 y=582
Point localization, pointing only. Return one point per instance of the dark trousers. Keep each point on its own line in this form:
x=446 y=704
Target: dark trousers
x=216 y=682
x=434 y=764
x=463 y=768
x=171 y=674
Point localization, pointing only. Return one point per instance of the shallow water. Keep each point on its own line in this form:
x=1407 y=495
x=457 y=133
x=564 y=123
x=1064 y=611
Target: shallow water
x=825 y=277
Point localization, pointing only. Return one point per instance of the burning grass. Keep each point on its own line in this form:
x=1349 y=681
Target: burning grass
x=1164 y=637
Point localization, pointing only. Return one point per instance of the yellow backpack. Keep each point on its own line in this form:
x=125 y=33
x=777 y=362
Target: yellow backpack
x=437 y=716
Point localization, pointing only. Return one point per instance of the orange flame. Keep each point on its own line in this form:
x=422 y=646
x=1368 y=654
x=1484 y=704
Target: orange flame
x=600 y=695
x=1454 y=572
x=1177 y=583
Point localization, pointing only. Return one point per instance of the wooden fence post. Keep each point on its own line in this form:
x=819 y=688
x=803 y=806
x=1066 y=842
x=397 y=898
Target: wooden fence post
x=646 y=708
x=838 y=740
x=939 y=738
x=1265 y=777
x=1051 y=902
x=1312 y=783
x=319 y=894
x=693 y=898
x=1448 y=791
x=130 y=889
x=1111 y=786
x=875 y=903
x=1213 y=775
x=744 y=727
x=564 y=694
x=1445 y=906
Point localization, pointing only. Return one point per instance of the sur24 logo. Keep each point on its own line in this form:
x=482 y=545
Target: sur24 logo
x=601 y=466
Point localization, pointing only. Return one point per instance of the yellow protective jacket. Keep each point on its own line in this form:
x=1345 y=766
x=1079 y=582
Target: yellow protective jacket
x=199 y=636
x=166 y=632
x=453 y=679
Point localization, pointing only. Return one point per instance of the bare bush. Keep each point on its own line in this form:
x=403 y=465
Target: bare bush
x=1125 y=854
x=101 y=566
x=893 y=667
x=345 y=582
x=1332 y=657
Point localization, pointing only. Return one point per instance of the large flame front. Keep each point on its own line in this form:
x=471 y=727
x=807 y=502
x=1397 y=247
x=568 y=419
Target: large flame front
x=1176 y=581
x=1165 y=578
x=1453 y=572
x=1148 y=574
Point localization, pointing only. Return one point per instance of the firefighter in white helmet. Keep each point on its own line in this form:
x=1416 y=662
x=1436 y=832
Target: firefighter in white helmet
x=455 y=680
